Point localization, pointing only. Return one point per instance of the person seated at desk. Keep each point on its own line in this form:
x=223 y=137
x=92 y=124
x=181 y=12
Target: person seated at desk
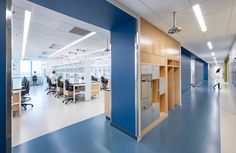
x=24 y=80
x=34 y=78
x=104 y=83
x=53 y=78
x=93 y=78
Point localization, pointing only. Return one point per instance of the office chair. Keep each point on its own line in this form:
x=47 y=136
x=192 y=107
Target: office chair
x=52 y=87
x=104 y=83
x=68 y=88
x=24 y=97
x=60 y=86
x=47 y=79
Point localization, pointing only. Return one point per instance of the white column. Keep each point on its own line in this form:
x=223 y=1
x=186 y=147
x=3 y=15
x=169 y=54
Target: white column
x=87 y=79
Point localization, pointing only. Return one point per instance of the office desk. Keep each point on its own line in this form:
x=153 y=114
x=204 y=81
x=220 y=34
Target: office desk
x=106 y=97
x=16 y=95
x=95 y=88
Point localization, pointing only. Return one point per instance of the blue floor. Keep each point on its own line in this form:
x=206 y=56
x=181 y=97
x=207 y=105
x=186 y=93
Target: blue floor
x=192 y=128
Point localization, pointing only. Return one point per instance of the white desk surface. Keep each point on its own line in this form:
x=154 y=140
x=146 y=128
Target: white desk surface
x=16 y=84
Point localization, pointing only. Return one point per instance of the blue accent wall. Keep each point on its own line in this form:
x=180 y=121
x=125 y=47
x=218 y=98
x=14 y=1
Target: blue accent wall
x=123 y=76
x=185 y=73
x=199 y=72
x=3 y=125
x=97 y=12
x=206 y=71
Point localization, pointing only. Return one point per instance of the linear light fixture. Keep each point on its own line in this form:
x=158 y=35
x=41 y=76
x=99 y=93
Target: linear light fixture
x=209 y=45
x=199 y=16
x=73 y=43
x=93 y=52
x=26 y=31
x=212 y=53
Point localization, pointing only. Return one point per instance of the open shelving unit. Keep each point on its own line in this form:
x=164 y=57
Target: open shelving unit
x=173 y=83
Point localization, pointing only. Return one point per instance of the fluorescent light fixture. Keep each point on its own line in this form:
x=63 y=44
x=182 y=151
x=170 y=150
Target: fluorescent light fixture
x=209 y=45
x=214 y=58
x=26 y=31
x=93 y=52
x=199 y=16
x=73 y=43
x=212 y=53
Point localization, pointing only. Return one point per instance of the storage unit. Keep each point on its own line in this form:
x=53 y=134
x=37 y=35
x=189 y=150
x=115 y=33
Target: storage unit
x=163 y=65
x=173 y=83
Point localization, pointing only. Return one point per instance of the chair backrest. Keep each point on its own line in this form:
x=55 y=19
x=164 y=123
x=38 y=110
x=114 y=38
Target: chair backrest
x=49 y=82
x=58 y=82
x=27 y=87
x=47 y=79
x=67 y=84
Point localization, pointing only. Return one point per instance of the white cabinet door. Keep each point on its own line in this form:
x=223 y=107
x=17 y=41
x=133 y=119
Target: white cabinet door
x=162 y=86
x=146 y=69
x=155 y=72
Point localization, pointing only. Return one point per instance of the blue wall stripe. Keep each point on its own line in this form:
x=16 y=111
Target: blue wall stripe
x=3 y=137
x=123 y=76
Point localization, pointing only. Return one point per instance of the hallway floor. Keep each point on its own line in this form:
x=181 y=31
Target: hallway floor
x=192 y=128
x=228 y=119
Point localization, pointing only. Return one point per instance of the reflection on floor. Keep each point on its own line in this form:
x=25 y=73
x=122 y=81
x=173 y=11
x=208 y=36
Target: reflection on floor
x=228 y=119
x=192 y=128
x=50 y=114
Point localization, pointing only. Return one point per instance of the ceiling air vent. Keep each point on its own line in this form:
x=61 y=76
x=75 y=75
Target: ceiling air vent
x=55 y=46
x=79 y=31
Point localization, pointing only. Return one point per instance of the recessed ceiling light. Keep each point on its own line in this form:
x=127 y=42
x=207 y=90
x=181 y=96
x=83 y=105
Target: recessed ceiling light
x=214 y=58
x=199 y=16
x=73 y=43
x=209 y=45
x=212 y=53
x=26 y=31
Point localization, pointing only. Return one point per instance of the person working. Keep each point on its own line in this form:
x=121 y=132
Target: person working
x=53 y=77
x=34 y=78
x=218 y=79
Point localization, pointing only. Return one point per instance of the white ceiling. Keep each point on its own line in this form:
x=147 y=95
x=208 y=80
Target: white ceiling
x=48 y=27
x=219 y=15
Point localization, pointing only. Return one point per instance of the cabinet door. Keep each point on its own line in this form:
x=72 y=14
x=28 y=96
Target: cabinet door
x=146 y=116
x=155 y=72
x=162 y=86
x=146 y=69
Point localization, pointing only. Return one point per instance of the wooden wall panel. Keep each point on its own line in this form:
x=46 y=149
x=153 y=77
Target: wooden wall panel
x=156 y=42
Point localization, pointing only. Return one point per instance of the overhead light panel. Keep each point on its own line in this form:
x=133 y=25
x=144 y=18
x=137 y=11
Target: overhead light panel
x=199 y=16
x=209 y=45
x=26 y=31
x=212 y=53
x=214 y=58
x=73 y=43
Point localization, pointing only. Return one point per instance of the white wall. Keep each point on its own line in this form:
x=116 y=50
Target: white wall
x=232 y=55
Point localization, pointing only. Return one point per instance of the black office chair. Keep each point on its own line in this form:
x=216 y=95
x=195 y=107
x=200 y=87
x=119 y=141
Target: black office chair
x=68 y=88
x=34 y=79
x=104 y=83
x=59 y=85
x=52 y=87
x=47 y=79
x=24 y=98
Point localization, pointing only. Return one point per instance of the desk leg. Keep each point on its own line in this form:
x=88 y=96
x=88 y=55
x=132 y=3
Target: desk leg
x=74 y=94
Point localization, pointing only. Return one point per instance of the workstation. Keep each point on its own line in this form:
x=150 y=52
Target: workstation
x=61 y=68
